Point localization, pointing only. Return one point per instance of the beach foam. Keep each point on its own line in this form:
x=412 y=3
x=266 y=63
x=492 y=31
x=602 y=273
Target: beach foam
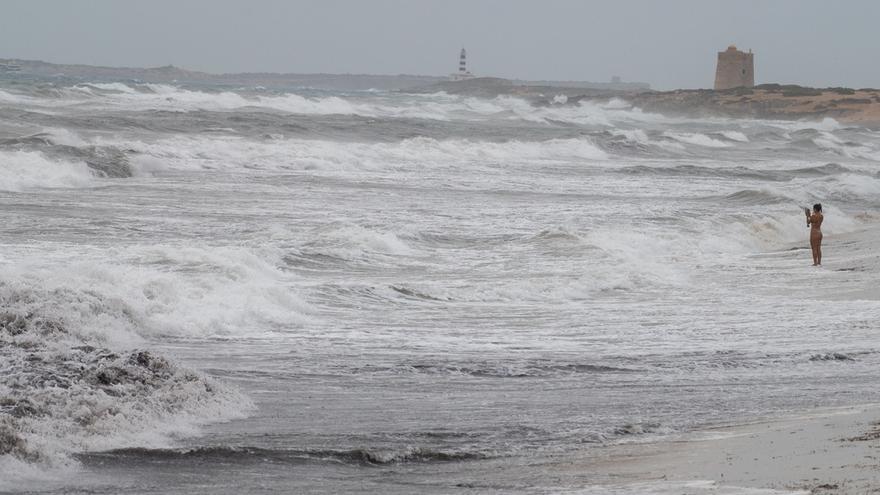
x=27 y=170
x=94 y=388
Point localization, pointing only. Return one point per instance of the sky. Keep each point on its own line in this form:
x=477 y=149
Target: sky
x=667 y=43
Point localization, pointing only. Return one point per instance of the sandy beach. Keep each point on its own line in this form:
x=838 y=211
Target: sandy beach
x=826 y=452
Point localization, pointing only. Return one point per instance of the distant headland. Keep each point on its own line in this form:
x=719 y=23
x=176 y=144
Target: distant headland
x=170 y=74
x=764 y=101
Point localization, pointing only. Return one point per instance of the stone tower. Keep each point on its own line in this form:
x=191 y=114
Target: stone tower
x=735 y=69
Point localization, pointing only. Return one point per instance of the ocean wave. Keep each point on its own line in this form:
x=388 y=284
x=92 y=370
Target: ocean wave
x=735 y=136
x=584 y=112
x=506 y=369
x=246 y=455
x=28 y=170
x=644 y=428
x=69 y=150
x=697 y=139
x=437 y=106
x=756 y=197
x=829 y=142
x=820 y=170
x=844 y=187
x=557 y=234
x=69 y=387
x=738 y=172
x=639 y=140
x=832 y=356
x=223 y=292
x=189 y=153
x=11 y=98
x=415 y=294
x=344 y=242
x=826 y=124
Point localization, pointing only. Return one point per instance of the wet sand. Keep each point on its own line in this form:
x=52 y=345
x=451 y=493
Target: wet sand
x=828 y=452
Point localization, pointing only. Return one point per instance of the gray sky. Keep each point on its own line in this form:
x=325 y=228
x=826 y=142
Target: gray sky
x=670 y=44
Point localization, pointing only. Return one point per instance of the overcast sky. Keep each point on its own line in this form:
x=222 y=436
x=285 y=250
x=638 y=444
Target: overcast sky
x=669 y=44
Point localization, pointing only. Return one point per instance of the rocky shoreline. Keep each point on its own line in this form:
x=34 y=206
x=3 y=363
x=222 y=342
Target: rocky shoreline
x=768 y=101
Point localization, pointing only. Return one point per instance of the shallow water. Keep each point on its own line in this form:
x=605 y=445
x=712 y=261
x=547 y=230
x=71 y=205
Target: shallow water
x=395 y=293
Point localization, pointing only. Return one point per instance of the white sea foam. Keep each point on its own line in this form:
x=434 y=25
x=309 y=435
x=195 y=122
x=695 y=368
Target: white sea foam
x=114 y=86
x=94 y=389
x=639 y=136
x=735 y=136
x=352 y=242
x=29 y=170
x=237 y=153
x=65 y=137
x=826 y=124
x=174 y=290
x=829 y=142
x=87 y=321
x=438 y=106
x=146 y=164
x=843 y=187
x=696 y=139
x=9 y=98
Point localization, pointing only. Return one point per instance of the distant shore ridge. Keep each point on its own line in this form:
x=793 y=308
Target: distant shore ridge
x=170 y=73
x=764 y=101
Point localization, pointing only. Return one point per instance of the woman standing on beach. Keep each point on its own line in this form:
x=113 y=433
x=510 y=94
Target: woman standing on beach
x=814 y=221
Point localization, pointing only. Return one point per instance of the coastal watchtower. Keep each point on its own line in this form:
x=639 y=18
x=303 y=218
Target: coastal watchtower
x=735 y=69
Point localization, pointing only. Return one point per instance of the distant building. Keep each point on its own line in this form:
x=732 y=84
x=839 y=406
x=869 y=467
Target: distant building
x=735 y=69
x=462 y=73
x=615 y=80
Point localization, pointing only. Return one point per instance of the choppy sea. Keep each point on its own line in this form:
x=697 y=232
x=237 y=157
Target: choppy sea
x=215 y=290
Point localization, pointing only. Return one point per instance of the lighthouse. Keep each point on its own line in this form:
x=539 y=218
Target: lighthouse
x=462 y=73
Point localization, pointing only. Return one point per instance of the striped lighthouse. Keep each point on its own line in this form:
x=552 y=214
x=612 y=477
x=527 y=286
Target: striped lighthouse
x=462 y=73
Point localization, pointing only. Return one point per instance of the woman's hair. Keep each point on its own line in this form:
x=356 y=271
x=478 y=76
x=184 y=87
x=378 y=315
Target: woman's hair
x=817 y=207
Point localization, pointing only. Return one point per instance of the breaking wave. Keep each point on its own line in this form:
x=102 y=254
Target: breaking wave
x=735 y=136
x=349 y=242
x=28 y=170
x=183 y=291
x=76 y=378
x=414 y=153
x=57 y=156
x=78 y=373
x=245 y=455
x=756 y=197
x=436 y=106
x=506 y=369
x=696 y=139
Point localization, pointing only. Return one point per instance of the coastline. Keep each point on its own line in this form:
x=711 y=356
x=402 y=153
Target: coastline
x=764 y=101
x=821 y=452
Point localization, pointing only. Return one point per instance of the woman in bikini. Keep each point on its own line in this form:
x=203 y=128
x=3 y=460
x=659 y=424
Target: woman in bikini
x=814 y=221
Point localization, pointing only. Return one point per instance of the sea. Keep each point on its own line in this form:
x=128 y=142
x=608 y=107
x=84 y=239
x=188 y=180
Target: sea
x=225 y=290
